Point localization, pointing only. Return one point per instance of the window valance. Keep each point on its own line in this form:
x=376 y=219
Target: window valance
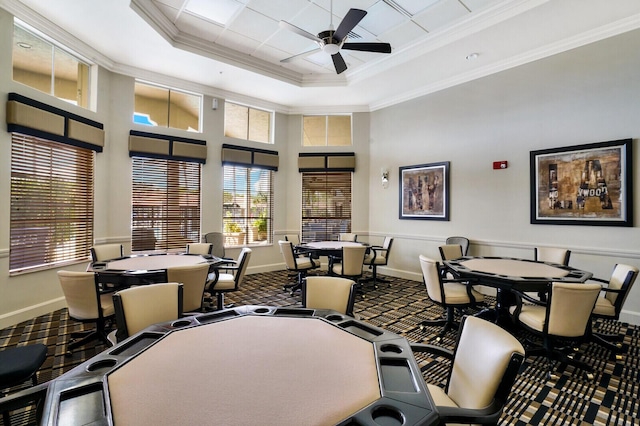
x=249 y=157
x=327 y=162
x=34 y=118
x=143 y=144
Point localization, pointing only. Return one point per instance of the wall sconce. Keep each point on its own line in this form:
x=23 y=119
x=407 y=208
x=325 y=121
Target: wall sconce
x=385 y=178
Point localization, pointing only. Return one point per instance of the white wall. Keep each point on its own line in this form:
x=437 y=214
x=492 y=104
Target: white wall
x=584 y=96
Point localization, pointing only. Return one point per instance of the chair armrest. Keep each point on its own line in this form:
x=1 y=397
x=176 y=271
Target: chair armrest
x=531 y=299
x=488 y=415
x=432 y=349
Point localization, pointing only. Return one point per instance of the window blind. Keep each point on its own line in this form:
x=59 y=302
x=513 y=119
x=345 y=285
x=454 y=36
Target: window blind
x=165 y=204
x=51 y=203
x=326 y=205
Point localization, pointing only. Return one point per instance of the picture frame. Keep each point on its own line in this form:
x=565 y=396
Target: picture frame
x=424 y=191
x=588 y=184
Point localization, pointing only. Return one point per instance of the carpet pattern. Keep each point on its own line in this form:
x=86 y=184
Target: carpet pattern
x=612 y=398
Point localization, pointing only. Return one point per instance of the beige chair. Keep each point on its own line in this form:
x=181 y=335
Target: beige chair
x=333 y=293
x=378 y=256
x=451 y=294
x=483 y=367
x=296 y=263
x=350 y=263
x=552 y=254
x=462 y=241
x=450 y=252
x=565 y=317
x=609 y=304
x=294 y=238
x=217 y=241
x=104 y=252
x=203 y=249
x=347 y=236
x=193 y=279
x=231 y=281
x=86 y=304
x=139 y=307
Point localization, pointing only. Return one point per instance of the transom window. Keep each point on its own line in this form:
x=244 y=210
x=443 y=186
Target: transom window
x=326 y=130
x=247 y=123
x=44 y=65
x=326 y=205
x=51 y=203
x=166 y=107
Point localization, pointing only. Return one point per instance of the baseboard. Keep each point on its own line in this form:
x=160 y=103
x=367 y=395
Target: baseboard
x=12 y=318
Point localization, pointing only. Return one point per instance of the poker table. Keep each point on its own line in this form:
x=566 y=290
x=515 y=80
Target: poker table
x=508 y=274
x=147 y=268
x=248 y=365
x=327 y=248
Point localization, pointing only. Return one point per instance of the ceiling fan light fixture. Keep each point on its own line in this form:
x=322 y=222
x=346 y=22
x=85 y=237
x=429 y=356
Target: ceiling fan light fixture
x=331 y=49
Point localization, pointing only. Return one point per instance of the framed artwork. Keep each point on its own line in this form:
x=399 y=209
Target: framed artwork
x=583 y=185
x=424 y=191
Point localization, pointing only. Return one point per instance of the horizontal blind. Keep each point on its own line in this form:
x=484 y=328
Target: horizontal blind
x=248 y=206
x=165 y=204
x=326 y=205
x=51 y=202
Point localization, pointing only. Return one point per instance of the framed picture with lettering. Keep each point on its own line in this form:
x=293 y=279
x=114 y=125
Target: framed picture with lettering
x=424 y=191
x=587 y=184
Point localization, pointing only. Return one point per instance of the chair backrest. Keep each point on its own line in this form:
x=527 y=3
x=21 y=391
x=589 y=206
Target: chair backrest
x=106 y=252
x=622 y=279
x=451 y=251
x=463 y=241
x=286 y=248
x=569 y=308
x=199 y=248
x=431 y=276
x=552 y=254
x=193 y=279
x=141 y=306
x=347 y=236
x=217 y=239
x=81 y=293
x=294 y=238
x=352 y=260
x=486 y=362
x=382 y=256
x=243 y=262
x=323 y=292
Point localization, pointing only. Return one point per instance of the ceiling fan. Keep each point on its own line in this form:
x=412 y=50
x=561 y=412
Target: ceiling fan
x=331 y=41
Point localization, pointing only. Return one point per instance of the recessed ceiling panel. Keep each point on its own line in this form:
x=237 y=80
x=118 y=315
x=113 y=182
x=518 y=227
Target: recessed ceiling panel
x=441 y=14
x=254 y=25
x=220 y=11
x=413 y=6
x=380 y=18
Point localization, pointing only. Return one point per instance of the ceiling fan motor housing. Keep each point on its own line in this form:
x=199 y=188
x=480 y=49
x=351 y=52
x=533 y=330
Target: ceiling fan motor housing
x=331 y=45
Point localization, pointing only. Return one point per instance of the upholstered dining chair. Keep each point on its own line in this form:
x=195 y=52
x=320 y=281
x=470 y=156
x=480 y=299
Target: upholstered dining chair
x=378 y=256
x=450 y=252
x=193 y=279
x=324 y=292
x=350 y=264
x=86 y=304
x=482 y=369
x=294 y=238
x=462 y=241
x=232 y=279
x=103 y=252
x=451 y=294
x=217 y=241
x=552 y=254
x=609 y=304
x=139 y=307
x=347 y=236
x=564 y=318
x=200 y=248
x=296 y=264
x=19 y=364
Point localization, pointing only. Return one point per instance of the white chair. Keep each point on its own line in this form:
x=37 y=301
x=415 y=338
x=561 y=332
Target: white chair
x=228 y=282
x=378 y=256
x=200 y=248
x=552 y=254
x=86 y=304
x=350 y=263
x=463 y=241
x=193 y=279
x=347 y=236
x=297 y=264
x=104 y=252
x=294 y=238
x=333 y=293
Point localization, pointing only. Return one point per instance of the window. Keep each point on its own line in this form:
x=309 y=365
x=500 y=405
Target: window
x=248 y=206
x=165 y=107
x=326 y=130
x=45 y=66
x=243 y=122
x=165 y=204
x=51 y=203
x=326 y=205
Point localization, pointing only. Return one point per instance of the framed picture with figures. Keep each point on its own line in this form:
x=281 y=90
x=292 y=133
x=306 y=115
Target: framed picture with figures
x=424 y=191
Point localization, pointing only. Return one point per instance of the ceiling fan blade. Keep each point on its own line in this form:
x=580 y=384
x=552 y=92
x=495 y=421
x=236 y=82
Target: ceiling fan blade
x=339 y=63
x=301 y=55
x=287 y=26
x=350 y=20
x=368 y=47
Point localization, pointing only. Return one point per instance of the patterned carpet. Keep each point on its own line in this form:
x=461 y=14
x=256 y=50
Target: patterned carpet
x=612 y=398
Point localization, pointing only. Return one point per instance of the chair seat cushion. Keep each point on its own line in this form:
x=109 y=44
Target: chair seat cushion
x=18 y=364
x=379 y=260
x=604 y=307
x=531 y=315
x=456 y=294
x=106 y=301
x=225 y=282
x=305 y=263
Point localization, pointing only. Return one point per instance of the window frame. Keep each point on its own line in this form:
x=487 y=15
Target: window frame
x=250 y=108
x=169 y=90
x=327 y=136
x=313 y=216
